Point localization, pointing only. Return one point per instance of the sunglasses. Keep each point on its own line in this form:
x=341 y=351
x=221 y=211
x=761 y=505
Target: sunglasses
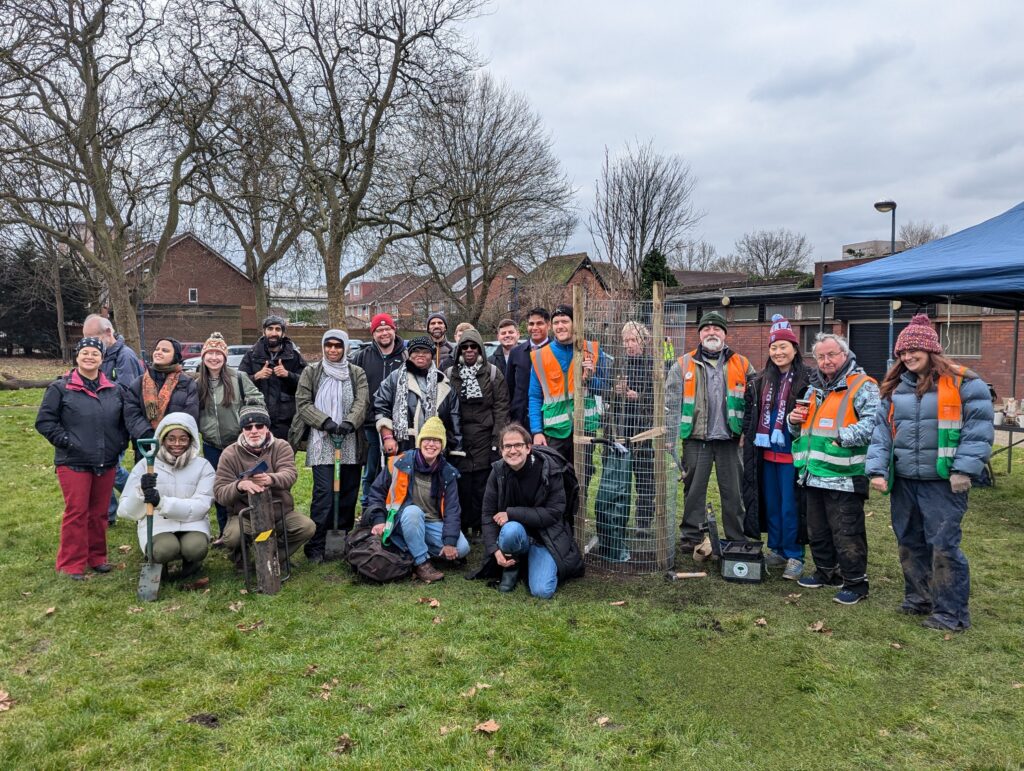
x=253 y=427
x=334 y=345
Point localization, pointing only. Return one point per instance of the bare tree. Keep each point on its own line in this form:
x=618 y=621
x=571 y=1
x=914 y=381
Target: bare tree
x=916 y=233
x=87 y=89
x=643 y=201
x=697 y=255
x=488 y=153
x=769 y=253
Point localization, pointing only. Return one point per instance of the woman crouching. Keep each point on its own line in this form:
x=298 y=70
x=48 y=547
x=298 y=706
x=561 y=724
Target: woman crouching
x=181 y=491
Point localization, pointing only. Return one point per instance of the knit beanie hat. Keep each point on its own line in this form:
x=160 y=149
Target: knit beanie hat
x=438 y=315
x=433 y=428
x=90 y=342
x=214 y=342
x=253 y=414
x=562 y=310
x=918 y=336
x=781 y=330
x=380 y=320
x=420 y=342
x=274 y=319
x=175 y=345
x=714 y=318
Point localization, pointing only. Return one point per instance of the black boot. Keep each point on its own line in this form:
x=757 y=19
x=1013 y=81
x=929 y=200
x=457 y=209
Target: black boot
x=509 y=579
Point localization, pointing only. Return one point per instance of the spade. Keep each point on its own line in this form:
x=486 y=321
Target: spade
x=149 y=579
x=336 y=545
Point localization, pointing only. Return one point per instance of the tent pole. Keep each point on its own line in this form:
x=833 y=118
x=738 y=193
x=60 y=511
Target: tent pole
x=1016 y=340
x=888 y=355
x=821 y=322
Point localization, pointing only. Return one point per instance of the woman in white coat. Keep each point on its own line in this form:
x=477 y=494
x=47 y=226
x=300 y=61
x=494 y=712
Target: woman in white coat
x=181 y=491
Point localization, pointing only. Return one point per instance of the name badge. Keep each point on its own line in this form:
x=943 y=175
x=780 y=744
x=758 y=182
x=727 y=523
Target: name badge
x=826 y=423
x=689 y=376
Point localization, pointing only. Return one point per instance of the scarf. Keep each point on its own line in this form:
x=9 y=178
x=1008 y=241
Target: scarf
x=175 y=463
x=333 y=398
x=428 y=398
x=470 y=385
x=156 y=400
x=420 y=466
x=769 y=434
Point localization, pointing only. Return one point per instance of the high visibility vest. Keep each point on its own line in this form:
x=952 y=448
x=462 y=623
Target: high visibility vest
x=557 y=408
x=950 y=416
x=735 y=383
x=396 y=497
x=814 y=448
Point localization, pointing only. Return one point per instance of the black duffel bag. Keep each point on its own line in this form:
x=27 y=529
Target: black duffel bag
x=374 y=561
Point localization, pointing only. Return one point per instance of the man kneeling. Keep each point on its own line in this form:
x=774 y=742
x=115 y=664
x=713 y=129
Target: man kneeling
x=414 y=503
x=232 y=486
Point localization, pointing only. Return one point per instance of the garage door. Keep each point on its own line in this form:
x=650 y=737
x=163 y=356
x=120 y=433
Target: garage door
x=870 y=342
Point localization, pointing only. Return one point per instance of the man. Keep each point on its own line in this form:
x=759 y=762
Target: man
x=517 y=375
x=552 y=389
x=508 y=338
x=231 y=487
x=704 y=400
x=415 y=504
x=274 y=366
x=483 y=406
x=437 y=331
x=830 y=444
x=378 y=360
x=121 y=365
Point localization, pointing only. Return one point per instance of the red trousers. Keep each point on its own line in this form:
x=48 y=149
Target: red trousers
x=83 y=533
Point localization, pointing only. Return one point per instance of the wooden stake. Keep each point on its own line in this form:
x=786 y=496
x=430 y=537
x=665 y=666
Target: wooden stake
x=578 y=326
x=264 y=536
x=665 y=540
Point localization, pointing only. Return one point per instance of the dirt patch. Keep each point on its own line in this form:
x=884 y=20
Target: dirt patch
x=205 y=719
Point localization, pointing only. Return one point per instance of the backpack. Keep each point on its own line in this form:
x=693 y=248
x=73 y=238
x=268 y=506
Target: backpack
x=572 y=487
x=373 y=561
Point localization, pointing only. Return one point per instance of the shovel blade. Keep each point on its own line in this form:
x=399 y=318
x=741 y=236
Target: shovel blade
x=149 y=582
x=336 y=546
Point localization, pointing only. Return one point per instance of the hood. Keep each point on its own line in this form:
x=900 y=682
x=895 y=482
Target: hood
x=473 y=335
x=181 y=420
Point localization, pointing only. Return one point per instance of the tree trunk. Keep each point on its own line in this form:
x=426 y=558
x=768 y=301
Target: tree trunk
x=12 y=383
x=125 y=314
x=58 y=305
x=335 y=302
x=262 y=302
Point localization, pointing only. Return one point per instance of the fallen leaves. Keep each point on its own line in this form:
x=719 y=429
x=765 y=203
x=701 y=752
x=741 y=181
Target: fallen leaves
x=240 y=591
x=1012 y=685
x=792 y=599
x=761 y=621
x=343 y=744
x=431 y=601
x=446 y=729
x=26 y=594
x=234 y=607
x=947 y=637
x=124 y=548
x=895 y=646
x=618 y=603
x=474 y=690
x=819 y=628
x=604 y=721
x=325 y=688
x=134 y=609
x=437 y=620
x=50 y=611
x=311 y=670
x=882 y=732
x=205 y=719
x=6 y=702
x=487 y=727
x=121 y=565
x=172 y=608
x=259 y=624
x=196 y=585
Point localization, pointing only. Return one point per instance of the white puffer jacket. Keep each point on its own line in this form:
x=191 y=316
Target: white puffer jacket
x=186 y=494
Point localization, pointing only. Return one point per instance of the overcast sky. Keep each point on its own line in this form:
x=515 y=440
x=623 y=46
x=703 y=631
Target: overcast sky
x=791 y=114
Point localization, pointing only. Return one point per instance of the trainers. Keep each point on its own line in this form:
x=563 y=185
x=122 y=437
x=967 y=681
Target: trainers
x=106 y=567
x=794 y=569
x=848 y=597
x=816 y=581
x=774 y=559
x=427 y=573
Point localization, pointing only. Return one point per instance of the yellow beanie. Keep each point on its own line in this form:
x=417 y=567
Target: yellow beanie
x=433 y=428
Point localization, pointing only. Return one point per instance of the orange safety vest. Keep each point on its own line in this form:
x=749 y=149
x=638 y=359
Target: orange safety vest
x=815 y=449
x=556 y=410
x=736 y=385
x=399 y=489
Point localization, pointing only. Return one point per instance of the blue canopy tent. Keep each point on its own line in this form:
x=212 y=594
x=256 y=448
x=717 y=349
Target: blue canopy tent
x=981 y=265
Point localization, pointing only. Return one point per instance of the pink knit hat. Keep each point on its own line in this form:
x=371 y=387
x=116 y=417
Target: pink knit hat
x=918 y=336
x=781 y=330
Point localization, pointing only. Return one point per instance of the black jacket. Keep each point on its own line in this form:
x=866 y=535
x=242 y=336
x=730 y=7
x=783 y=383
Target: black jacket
x=482 y=417
x=755 y=521
x=377 y=367
x=87 y=429
x=634 y=415
x=498 y=360
x=278 y=392
x=544 y=517
x=184 y=398
x=518 y=379
x=447 y=408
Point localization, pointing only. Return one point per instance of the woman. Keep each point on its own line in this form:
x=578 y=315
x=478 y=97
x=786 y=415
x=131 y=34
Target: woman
x=634 y=394
x=222 y=391
x=524 y=516
x=414 y=503
x=161 y=389
x=81 y=416
x=181 y=491
x=769 y=485
x=935 y=432
x=331 y=401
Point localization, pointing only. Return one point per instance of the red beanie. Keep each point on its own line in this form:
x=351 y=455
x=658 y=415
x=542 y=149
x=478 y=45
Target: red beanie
x=380 y=320
x=781 y=330
x=918 y=336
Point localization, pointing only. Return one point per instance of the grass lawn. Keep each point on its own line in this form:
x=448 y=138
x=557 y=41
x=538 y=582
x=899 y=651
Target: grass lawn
x=681 y=676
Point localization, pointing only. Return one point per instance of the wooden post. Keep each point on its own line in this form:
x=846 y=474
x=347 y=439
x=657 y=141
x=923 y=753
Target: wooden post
x=664 y=539
x=264 y=536
x=578 y=323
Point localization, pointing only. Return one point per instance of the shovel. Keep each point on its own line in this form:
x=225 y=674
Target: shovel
x=149 y=579
x=336 y=545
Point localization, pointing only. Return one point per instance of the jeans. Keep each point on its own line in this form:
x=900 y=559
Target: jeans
x=542 y=570
x=420 y=538
x=120 y=477
x=212 y=455
x=782 y=511
x=373 y=466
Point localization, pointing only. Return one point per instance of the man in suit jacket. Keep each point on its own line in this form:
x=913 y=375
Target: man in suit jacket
x=517 y=375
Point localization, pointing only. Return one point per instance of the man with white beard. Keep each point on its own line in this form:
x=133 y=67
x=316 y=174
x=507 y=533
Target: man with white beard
x=704 y=400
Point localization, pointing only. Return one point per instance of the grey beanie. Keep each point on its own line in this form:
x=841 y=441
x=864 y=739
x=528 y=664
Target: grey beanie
x=275 y=319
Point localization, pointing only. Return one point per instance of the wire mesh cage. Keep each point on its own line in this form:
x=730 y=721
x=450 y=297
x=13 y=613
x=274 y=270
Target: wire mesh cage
x=628 y=479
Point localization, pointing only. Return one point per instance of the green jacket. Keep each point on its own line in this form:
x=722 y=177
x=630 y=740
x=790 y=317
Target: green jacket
x=307 y=415
x=219 y=424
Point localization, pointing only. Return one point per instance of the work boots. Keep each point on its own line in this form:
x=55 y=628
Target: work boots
x=427 y=573
x=509 y=579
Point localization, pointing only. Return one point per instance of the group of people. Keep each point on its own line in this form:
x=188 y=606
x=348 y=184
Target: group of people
x=448 y=446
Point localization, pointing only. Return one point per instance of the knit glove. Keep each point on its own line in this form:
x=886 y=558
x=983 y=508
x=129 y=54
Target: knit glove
x=151 y=496
x=330 y=427
x=346 y=428
x=959 y=483
x=148 y=481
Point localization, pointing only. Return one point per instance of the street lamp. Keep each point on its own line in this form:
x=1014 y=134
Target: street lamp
x=515 y=297
x=888 y=205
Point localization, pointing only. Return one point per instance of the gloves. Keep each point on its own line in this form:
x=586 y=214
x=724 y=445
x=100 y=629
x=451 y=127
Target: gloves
x=959 y=483
x=152 y=496
x=346 y=428
x=330 y=427
x=148 y=481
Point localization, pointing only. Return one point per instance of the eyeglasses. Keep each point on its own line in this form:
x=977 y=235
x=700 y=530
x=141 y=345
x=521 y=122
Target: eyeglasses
x=253 y=427
x=514 y=446
x=829 y=356
x=334 y=345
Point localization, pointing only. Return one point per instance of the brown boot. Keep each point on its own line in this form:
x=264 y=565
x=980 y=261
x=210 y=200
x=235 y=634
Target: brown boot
x=427 y=573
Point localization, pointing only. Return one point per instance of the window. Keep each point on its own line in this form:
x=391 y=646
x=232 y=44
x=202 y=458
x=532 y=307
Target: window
x=785 y=310
x=961 y=339
x=745 y=313
x=193 y=295
x=812 y=311
x=807 y=334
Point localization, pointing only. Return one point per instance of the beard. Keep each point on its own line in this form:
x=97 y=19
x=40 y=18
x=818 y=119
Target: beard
x=273 y=340
x=713 y=343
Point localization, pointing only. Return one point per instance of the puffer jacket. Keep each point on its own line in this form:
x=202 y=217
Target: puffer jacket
x=917 y=431
x=219 y=424
x=307 y=414
x=447 y=408
x=87 y=429
x=481 y=417
x=186 y=494
x=544 y=520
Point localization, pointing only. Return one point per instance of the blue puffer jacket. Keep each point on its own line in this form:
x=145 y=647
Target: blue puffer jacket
x=917 y=431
